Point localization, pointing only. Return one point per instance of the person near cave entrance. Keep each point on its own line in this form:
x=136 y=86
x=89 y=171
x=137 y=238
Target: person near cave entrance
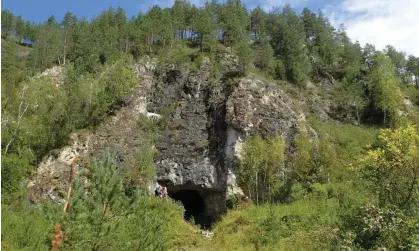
x=164 y=192
x=158 y=191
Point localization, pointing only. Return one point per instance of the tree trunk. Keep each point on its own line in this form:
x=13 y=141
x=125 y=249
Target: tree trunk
x=257 y=189
x=19 y=118
x=357 y=117
x=385 y=115
x=74 y=163
x=65 y=50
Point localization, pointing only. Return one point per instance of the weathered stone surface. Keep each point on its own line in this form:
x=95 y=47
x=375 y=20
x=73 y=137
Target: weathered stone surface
x=119 y=133
x=204 y=127
x=56 y=72
x=255 y=106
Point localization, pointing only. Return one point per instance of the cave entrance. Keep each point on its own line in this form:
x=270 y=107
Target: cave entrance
x=193 y=204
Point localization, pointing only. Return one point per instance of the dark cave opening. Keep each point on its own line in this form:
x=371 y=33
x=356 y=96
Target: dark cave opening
x=193 y=204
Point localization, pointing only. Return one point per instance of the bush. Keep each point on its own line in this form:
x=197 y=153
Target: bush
x=24 y=229
x=176 y=55
x=372 y=227
x=13 y=169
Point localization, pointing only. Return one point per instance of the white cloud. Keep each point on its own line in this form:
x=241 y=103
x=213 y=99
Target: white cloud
x=380 y=22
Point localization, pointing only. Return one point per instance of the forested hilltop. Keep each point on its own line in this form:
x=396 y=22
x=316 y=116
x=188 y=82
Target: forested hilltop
x=327 y=131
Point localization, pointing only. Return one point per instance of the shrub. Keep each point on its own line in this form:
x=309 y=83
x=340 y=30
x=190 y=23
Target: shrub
x=24 y=229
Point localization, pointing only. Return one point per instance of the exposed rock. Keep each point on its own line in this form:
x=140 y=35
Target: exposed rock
x=53 y=172
x=204 y=126
x=255 y=106
x=56 y=72
x=21 y=53
x=119 y=133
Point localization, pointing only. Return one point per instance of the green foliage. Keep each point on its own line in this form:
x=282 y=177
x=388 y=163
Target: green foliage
x=393 y=167
x=262 y=160
x=412 y=66
x=280 y=70
x=24 y=229
x=304 y=225
x=103 y=217
x=178 y=55
x=257 y=21
x=287 y=31
x=95 y=95
x=397 y=58
x=233 y=20
x=14 y=168
x=202 y=24
x=302 y=165
x=350 y=98
x=264 y=56
x=13 y=69
x=348 y=142
x=244 y=53
x=144 y=169
x=385 y=89
x=324 y=193
x=372 y=227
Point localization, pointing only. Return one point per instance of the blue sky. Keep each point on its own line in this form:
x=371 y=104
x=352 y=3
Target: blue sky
x=39 y=11
x=379 y=22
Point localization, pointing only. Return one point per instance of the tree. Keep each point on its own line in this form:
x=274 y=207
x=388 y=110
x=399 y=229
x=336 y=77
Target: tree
x=20 y=29
x=201 y=23
x=264 y=58
x=262 y=160
x=105 y=206
x=392 y=168
x=397 y=58
x=325 y=43
x=303 y=163
x=67 y=26
x=351 y=96
x=369 y=53
x=413 y=67
x=103 y=217
x=350 y=58
x=384 y=88
x=234 y=20
x=179 y=13
x=257 y=22
x=47 y=50
x=288 y=36
x=30 y=32
x=7 y=24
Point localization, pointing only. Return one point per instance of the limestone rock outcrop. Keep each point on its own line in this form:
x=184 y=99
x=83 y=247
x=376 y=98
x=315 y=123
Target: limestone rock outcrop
x=205 y=120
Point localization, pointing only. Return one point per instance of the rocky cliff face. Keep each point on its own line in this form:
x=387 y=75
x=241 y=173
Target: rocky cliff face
x=206 y=121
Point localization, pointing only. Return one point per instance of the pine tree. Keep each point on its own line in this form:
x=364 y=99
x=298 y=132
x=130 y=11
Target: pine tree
x=96 y=209
x=68 y=25
x=288 y=38
x=201 y=23
x=264 y=58
x=257 y=22
x=234 y=21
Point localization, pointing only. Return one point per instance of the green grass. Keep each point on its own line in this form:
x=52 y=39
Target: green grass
x=278 y=227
